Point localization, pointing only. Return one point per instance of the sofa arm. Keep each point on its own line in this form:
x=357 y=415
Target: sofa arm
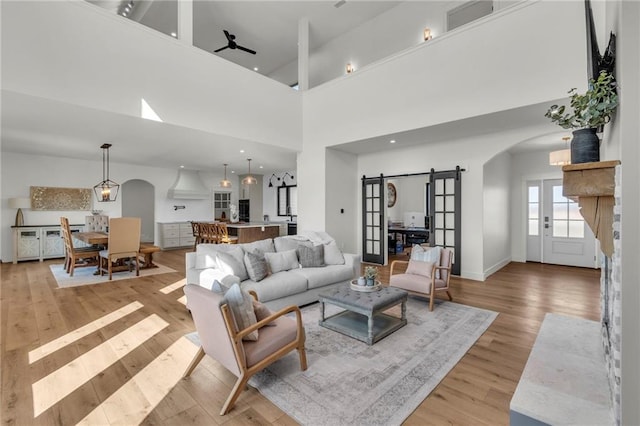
x=353 y=260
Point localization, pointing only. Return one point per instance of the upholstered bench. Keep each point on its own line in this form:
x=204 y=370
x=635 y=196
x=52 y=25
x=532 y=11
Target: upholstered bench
x=147 y=251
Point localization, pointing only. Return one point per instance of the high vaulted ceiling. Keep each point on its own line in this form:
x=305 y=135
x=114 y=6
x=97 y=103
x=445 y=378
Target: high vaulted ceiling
x=268 y=27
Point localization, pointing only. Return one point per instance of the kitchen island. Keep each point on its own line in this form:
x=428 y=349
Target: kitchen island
x=251 y=231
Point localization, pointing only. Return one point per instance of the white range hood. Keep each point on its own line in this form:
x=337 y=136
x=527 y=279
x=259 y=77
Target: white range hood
x=189 y=186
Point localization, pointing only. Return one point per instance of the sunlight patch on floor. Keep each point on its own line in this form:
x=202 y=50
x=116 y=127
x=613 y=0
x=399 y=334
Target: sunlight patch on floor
x=139 y=396
x=172 y=287
x=54 y=387
x=183 y=300
x=81 y=332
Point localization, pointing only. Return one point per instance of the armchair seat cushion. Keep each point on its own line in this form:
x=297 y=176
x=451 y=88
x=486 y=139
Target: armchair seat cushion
x=415 y=283
x=281 y=332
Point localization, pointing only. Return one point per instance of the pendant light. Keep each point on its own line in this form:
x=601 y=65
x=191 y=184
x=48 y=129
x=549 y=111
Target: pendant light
x=107 y=190
x=248 y=179
x=226 y=183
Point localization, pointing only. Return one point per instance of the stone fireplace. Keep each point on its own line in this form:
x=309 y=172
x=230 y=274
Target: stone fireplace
x=610 y=303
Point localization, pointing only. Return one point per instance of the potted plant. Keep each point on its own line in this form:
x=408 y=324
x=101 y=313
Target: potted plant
x=371 y=273
x=591 y=111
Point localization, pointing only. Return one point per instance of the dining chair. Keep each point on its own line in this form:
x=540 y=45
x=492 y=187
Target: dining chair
x=222 y=233
x=96 y=223
x=75 y=257
x=124 y=243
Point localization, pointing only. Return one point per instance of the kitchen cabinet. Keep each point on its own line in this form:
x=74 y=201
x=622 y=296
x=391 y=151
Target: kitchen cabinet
x=175 y=235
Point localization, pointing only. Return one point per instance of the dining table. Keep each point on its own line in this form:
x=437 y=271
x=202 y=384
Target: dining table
x=93 y=238
x=96 y=238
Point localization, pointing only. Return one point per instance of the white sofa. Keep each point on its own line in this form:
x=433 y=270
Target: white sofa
x=297 y=286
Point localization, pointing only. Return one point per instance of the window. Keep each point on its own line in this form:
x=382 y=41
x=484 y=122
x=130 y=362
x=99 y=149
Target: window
x=288 y=200
x=534 y=211
x=567 y=221
x=221 y=203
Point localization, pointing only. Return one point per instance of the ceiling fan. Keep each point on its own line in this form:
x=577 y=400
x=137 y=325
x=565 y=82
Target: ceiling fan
x=233 y=45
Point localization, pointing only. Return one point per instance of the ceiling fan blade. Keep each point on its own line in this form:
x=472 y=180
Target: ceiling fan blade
x=222 y=48
x=253 y=52
x=227 y=35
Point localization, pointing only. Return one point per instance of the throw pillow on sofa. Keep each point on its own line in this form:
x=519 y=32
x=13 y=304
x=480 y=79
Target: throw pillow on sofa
x=311 y=257
x=241 y=304
x=282 y=261
x=333 y=255
x=256 y=265
x=290 y=242
x=232 y=262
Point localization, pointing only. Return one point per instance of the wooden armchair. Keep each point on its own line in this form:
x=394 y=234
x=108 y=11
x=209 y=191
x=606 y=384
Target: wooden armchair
x=124 y=242
x=76 y=257
x=221 y=341
x=419 y=281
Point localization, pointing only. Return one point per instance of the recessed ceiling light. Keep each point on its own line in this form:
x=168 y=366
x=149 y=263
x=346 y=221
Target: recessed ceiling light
x=124 y=14
x=255 y=68
x=392 y=141
x=233 y=171
x=242 y=151
x=174 y=34
x=261 y=167
x=181 y=166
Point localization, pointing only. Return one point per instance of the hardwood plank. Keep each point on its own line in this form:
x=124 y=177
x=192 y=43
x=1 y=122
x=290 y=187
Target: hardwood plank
x=34 y=312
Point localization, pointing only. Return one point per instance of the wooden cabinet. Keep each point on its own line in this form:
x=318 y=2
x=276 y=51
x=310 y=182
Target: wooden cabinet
x=175 y=235
x=39 y=242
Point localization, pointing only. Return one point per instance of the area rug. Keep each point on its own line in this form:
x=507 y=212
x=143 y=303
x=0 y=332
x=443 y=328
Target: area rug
x=350 y=383
x=84 y=275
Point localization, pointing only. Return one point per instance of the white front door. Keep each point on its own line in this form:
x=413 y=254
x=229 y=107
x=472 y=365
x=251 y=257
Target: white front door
x=567 y=239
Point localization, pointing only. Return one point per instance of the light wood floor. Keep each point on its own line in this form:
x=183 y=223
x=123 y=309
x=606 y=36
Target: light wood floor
x=78 y=354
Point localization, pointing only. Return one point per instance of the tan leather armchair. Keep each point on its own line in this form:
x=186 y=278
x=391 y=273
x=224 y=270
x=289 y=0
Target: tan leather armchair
x=221 y=341
x=422 y=284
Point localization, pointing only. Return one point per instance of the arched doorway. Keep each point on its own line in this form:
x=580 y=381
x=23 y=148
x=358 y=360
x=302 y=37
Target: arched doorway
x=138 y=200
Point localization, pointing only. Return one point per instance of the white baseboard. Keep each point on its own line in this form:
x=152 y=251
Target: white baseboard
x=472 y=276
x=495 y=268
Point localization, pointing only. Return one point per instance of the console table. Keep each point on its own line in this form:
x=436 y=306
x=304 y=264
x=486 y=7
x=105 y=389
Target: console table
x=39 y=242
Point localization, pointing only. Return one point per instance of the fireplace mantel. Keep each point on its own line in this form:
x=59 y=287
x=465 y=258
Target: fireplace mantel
x=592 y=186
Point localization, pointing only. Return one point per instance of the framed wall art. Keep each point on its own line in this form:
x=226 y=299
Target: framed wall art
x=51 y=198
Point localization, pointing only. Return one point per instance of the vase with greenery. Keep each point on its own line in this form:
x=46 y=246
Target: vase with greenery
x=371 y=273
x=589 y=113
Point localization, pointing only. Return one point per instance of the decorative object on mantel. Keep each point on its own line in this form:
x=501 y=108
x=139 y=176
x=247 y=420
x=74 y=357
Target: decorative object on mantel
x=107 y=190
x=225 y=183
x=50 y=198
x=561 y=157
x=591 y=111
x=19 y=203
x=248 y=179
x=427 y=34
x=593 y=184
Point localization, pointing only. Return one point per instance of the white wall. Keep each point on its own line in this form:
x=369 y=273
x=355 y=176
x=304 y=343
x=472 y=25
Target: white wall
x=526 y=166
x=386 y=34
x=342 y=202
x=496 y=203
x=96 y=59
x=20 y=171
x=498 y=66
